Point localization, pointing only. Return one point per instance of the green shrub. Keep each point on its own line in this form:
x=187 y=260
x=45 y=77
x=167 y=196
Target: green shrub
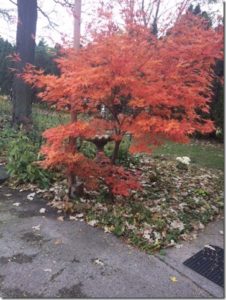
x=88 y=149
x=22 y=157
x=7 y=134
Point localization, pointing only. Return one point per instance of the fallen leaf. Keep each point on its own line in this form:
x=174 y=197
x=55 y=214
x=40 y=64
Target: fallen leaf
x=36 y=227
x=210 y=247
x=92 y=222
x=146 y=234
x=42 y=210
x=177 y=225
x=221 y=232
x=58 y=242
x=79 y=215
x=30 y=196
x=8 y=195
x=83 y=200
x=47 y=270
x=16 y=204
x=97 y=261
x=60 y=218
x=173 y=279
x=73 y=218
x=108 y=229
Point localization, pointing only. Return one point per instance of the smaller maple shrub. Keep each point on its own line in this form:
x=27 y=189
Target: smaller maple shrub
x=153 y=89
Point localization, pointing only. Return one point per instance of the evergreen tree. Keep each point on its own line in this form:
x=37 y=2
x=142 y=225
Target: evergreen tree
x=44 y=58
x=6 y=75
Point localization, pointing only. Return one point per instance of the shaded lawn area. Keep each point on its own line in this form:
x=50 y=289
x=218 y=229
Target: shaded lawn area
x=209 y=155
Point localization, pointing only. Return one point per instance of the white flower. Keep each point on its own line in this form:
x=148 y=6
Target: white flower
x=184 y=160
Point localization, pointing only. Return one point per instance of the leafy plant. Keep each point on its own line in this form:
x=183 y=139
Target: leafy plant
x=22 y=162
x=88 y=149
x=7 y=134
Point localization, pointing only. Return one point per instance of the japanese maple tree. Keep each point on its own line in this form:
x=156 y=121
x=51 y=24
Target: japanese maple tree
x=152 y=88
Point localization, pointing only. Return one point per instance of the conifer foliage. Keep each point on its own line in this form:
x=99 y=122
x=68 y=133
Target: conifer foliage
x=152 y=88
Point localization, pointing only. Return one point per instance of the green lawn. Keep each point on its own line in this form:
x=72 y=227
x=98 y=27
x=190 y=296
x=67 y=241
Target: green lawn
x=203 y=154
x=43 y=118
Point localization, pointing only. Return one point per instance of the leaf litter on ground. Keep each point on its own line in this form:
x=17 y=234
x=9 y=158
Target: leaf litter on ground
x=173 y=206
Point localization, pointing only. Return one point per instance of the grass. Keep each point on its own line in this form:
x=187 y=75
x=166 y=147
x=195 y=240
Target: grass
x=204 y=155
x=43 y=118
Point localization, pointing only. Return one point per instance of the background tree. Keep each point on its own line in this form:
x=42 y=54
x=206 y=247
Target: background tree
x=6 y=75
x=25 y=48
x=217 y=101
x=45 y=57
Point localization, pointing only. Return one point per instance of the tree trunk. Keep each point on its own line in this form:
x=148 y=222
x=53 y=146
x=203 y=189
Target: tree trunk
x=116 y=151
x=25 y=48
x=73 y=185
x=77 y=24
x=155 y=22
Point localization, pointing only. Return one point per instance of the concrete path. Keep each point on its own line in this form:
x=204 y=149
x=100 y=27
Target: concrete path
x=43 y=257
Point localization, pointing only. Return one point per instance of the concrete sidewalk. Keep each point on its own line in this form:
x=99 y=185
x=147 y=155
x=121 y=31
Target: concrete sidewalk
x=71 y=259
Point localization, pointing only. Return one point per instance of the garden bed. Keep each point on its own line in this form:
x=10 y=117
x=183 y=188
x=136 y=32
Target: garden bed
x=173 y=205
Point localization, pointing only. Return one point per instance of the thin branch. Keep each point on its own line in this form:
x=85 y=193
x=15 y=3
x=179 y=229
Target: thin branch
x=51 y=23
x=65 y=3
x=6 y=14
x=14 y=3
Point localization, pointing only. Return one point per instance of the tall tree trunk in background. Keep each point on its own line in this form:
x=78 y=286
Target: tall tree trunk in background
x=25 y=48
x=73 y=185
x=77 y=24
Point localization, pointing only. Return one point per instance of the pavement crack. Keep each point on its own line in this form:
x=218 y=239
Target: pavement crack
x=54 y=276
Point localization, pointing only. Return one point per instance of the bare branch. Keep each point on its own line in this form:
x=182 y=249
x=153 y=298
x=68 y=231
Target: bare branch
x=51 y=23
x=14 y=3
x=66 y=3
x=6 y=14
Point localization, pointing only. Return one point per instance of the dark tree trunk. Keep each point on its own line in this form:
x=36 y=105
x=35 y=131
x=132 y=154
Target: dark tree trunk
x=25 y=48
x=115 y=152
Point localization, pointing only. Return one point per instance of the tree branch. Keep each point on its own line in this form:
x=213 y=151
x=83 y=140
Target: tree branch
x=51 y=23
x=6 y=14
x=14 y=3
x=66 y=3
